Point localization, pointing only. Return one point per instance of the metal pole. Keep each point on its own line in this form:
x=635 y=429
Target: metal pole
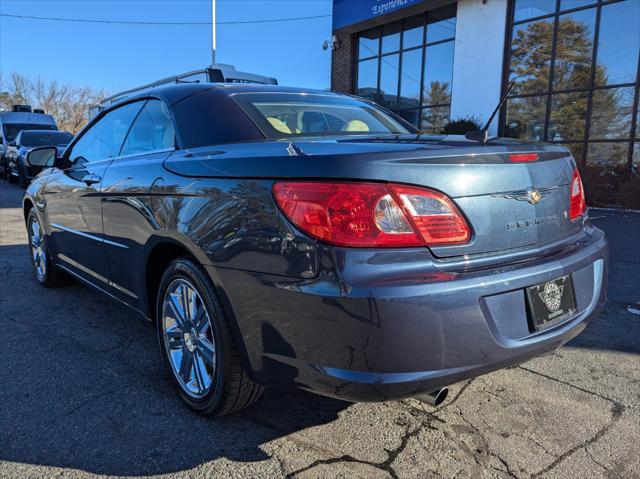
x=213 y=32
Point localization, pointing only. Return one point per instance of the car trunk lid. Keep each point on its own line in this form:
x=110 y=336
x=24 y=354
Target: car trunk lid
x=509 y=205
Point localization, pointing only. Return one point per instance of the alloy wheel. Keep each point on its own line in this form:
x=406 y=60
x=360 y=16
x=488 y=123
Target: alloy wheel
x=188 y=338
x=38 y=251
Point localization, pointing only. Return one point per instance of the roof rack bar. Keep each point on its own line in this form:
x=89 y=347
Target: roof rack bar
x=215 y=73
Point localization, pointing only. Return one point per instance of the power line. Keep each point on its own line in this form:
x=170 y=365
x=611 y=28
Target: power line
x=133 y=22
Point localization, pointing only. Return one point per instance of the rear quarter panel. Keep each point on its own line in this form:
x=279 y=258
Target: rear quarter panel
x=227 y=223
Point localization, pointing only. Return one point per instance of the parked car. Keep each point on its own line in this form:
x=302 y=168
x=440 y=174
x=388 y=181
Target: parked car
x=12 y=123
x=281 y=236
x=27 y=140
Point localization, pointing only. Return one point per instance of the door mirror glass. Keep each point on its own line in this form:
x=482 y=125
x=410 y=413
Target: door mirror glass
x=42 y=157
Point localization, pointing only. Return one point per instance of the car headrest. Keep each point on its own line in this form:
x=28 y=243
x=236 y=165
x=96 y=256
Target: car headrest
x=279 y=125
x=356 y=125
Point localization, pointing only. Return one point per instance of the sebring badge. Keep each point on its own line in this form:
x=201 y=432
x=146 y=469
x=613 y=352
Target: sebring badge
x=552 y=295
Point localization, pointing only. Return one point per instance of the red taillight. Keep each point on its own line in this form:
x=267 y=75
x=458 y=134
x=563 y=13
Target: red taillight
x=363 y=214
x=577 y=203
x=523 y=157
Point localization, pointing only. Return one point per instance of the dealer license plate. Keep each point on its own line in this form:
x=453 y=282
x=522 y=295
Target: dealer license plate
x=550 y=303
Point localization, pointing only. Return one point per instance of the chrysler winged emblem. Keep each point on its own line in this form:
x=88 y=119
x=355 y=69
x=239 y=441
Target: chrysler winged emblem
x=532 y=194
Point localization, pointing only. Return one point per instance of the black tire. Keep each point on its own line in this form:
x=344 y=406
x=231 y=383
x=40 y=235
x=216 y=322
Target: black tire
x=52 y=276
x=231 y=389
x=3 y=169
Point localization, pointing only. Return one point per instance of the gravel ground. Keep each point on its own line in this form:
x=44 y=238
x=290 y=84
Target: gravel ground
x=83 y=394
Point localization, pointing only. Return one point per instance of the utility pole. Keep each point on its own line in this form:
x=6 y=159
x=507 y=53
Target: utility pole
x=213 y=32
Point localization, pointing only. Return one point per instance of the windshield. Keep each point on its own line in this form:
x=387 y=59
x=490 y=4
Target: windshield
x=11 y=130
x=282 y=115
x=41 y=138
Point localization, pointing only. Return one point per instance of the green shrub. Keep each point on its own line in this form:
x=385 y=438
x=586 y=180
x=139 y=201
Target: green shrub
x=460 y=126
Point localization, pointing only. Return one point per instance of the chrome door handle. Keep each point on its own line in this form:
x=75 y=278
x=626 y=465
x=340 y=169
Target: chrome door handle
x=91 y=179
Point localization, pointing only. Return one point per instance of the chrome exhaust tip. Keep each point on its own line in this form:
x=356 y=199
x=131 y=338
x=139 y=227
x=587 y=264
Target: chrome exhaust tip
x=434 y=398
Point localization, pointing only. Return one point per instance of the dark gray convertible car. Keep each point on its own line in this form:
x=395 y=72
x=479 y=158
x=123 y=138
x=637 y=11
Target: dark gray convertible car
x=279 y=236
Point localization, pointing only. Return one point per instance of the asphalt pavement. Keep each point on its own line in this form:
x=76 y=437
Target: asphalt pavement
x=83 y=394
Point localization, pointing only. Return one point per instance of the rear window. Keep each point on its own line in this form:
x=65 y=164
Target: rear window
x=282 y=115
x=46 y=139
x=11 y=130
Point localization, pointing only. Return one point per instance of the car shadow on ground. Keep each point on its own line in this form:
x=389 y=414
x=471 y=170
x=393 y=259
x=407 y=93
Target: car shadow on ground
x=616 y=328
x=83 y=386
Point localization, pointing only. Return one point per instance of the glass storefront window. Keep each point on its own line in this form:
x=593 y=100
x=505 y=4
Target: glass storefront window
x=433 y=120
x=391 y=37
x=567 y=117
x=569 y=4
x=531 y=56
x=441 y=24
x=525 y=118
x=389 y=69
x=368 y=78
x=574 y=49
x=407 y=66
x=369 y=44
x=413 y=34
x=618 y=43
x=438 y=74
x=533 y=8
x=410 y=80
x=563 y=94
x=611 y=114
x=608 y=155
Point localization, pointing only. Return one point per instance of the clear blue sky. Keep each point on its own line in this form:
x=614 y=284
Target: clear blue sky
x=116 y=57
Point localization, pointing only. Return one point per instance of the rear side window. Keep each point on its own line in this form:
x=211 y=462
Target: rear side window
x=104 y=139
x=152 y=130
x=211 y=117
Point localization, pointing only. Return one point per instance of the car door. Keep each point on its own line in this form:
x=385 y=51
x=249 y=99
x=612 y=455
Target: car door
x=129 y=212
x=73 y=211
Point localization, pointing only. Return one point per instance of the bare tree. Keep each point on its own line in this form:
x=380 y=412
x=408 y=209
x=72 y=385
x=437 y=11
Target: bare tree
x=69 y=104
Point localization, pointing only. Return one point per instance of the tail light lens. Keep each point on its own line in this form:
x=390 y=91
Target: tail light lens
x=361 y=214
x=577 y=204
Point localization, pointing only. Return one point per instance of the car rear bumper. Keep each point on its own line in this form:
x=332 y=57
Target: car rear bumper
x=378 y=326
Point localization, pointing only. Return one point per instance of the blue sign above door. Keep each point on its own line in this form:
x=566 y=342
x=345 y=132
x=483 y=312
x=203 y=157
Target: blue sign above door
x=350 y=12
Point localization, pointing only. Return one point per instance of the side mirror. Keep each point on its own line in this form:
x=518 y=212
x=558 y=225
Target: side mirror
x=42 y=157
x=12 y=143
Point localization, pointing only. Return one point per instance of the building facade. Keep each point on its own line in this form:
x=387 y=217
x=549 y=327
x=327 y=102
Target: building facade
x=574 y=65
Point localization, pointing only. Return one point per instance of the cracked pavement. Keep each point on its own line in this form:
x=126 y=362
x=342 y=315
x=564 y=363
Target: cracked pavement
x=83 y=394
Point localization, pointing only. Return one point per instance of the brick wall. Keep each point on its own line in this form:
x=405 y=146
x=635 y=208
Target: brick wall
x=342 y=63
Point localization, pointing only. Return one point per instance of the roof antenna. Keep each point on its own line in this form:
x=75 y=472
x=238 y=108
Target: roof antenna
x=482 y=135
